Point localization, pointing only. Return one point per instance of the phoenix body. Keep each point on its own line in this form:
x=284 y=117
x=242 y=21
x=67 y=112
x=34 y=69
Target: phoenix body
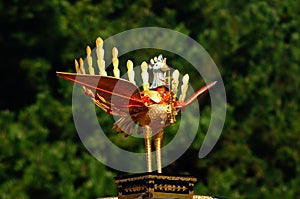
x=153 y=108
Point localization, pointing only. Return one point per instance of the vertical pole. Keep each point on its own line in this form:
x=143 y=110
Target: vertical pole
x=157 y=143
x=148 y=136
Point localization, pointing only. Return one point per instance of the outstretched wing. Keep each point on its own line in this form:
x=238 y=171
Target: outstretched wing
x=114 y=95
x=196 y=95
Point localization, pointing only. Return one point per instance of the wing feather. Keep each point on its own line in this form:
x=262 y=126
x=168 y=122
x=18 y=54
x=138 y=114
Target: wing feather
x=114 y=95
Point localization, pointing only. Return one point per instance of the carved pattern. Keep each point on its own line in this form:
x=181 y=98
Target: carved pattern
x=155 y=183
x=169 y=187
x=135 y=188
x=160 y=177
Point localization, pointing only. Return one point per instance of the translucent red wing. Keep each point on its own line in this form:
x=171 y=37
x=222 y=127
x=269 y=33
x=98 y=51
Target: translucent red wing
x=114 y=95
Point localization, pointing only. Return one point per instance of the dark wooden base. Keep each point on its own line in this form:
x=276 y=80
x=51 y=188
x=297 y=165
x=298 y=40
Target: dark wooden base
x=155 y=185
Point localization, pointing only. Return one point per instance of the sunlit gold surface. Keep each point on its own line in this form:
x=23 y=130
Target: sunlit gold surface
x=157 y=143
x=147 y=136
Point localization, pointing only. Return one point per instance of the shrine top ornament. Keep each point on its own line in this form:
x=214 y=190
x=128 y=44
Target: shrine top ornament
x=152 y=109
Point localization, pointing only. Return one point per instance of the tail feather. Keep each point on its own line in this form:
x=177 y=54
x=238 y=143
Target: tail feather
x=125 y=125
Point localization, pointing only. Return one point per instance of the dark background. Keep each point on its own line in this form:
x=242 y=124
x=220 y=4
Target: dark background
x=255 y=44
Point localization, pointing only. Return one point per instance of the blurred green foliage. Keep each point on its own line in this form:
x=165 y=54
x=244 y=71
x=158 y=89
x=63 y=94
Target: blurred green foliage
x=256 y=45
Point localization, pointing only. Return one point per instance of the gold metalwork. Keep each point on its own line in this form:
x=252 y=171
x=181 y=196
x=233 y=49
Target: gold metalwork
x=157 y=143
x=153 y=109
x=194 y=197
x=148 y=136
x=156 y=186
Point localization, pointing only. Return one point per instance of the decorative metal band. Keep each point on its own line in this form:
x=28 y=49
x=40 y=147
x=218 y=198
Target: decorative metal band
x=160 y=177
x=194 y=197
